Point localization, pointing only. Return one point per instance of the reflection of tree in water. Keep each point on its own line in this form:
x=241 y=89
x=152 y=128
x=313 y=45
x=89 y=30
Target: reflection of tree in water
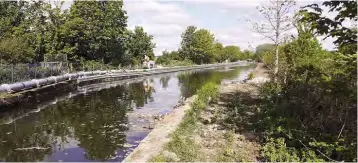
x=191 y=82
x=141 y=92
x=96 y=120
x=164 y=80
x=20 y=139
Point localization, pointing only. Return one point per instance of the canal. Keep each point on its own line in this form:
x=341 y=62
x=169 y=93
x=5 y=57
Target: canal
x=102 y=122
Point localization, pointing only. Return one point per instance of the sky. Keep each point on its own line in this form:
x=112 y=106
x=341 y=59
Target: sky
x=166 y=20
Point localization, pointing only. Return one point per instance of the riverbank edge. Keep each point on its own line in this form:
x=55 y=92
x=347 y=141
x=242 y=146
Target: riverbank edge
x=153 y=145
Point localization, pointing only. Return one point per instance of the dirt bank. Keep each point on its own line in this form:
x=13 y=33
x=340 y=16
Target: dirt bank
x=223 y=135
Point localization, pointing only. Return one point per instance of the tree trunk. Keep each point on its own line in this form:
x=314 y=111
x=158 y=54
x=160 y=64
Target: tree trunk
x=277 y=41
x=276 y=64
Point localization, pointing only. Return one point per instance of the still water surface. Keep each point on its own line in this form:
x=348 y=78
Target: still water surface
x=102 y=122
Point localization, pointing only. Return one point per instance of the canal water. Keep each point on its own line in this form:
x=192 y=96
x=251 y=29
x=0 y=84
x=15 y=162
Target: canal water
x=102 y=122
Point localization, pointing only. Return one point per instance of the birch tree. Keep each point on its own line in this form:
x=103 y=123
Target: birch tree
x=278 y=20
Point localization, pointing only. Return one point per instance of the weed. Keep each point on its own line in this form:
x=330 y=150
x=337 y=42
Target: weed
x=230 y=136
x=8 y=95
x=159 y=158
x=251 y=76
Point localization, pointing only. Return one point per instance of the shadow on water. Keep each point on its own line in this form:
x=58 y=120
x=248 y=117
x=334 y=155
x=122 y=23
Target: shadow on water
x=96 y=125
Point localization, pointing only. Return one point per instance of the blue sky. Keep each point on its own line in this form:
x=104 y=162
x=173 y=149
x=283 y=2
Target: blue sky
x=226 y=19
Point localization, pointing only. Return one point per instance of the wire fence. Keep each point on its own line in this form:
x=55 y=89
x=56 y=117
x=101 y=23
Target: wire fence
x=11 y=73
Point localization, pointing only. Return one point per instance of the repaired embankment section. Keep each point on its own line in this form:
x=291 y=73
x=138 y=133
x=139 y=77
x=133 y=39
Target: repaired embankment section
x=205 y=132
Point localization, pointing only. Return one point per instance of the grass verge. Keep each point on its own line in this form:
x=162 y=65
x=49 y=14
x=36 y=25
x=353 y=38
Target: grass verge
x=8 y=95
x=182 y=147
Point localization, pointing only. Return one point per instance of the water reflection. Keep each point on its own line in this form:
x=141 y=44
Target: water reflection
x=164 y=81
x=191 y=82
x=96 y=126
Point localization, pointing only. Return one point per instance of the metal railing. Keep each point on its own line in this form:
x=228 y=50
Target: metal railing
x=11 y=73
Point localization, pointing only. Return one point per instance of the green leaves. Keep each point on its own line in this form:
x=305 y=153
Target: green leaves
x=232 y=53
x=91 y=30
x=15 y=49
x=275 y=150
x=95 y=30
x=343 y=35
x=317 y=93
x=140 y=44
x=200 y=46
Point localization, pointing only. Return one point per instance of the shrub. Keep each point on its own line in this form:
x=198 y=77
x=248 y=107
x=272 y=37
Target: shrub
x=275 y=150
x=313 y=103
x=208 y=92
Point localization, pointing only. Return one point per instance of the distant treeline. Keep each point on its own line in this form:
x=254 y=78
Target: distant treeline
x=199 y=46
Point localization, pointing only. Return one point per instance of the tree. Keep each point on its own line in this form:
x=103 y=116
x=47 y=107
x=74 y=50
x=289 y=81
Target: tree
x=140 y=44
x=14 y=46
x=262 y=49
x=278 y=22
x=232 y=53
x=113 y=31
x=247 y=54
x=345 y=37
x=202 y=45
x=38 y=21
x=56 y=18
x=26 y=21
x=167 y=57
x=12 y=15
x=219 y=52
x=95 y=31
x=15 y=50
x=187 y=38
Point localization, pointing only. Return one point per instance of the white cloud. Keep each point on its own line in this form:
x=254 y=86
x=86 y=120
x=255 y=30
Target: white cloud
x=149 y=6
x=229 y=4
x=165 y=21
x=242 y=37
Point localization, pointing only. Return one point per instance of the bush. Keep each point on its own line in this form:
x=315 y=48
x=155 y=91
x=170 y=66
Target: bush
x=275 y=150
x=208 y=92
x=268 y=59
x=310 y=112
x=90 y=65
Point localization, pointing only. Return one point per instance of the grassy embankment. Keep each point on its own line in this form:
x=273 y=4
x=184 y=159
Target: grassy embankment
x=182 y=144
